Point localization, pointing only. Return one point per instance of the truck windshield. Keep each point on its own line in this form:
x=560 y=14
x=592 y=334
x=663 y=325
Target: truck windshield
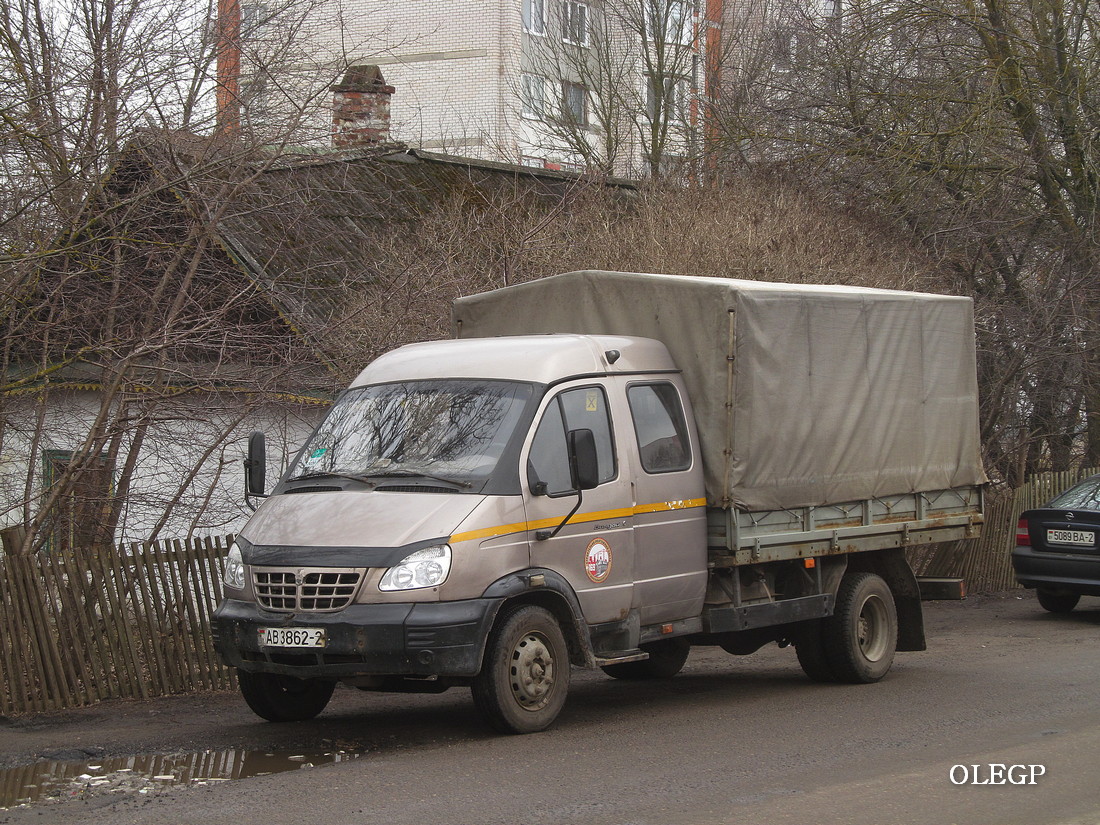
x=444 y=430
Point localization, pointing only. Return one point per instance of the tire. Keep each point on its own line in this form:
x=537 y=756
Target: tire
x=1057 y=601
x=810 y=648
x=525 y=677
x=279 y=698
x=862 y=634
x=666 y=659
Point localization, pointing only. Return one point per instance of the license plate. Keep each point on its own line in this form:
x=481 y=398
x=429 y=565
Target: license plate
x=1083 y=537
x=292 y=636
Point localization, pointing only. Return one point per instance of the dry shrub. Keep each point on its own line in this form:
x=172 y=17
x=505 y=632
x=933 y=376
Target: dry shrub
x=755 y=230
x=751 y=229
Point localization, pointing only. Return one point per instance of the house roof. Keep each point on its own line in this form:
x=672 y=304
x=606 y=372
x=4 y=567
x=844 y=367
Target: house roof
x=295 y=237
x=306 y=227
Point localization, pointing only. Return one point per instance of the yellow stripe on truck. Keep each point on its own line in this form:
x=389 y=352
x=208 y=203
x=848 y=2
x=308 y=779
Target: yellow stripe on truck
x=662 y=506
x=579 y=518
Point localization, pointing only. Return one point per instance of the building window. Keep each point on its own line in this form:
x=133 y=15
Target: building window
x=574 y=103
x=783 y=48
x=669 y=21
x=534 y=16
x=80 y=514
x=575 y=23
x=534 y=97
x=793 y=47
x=254 y=17
x=666 y=98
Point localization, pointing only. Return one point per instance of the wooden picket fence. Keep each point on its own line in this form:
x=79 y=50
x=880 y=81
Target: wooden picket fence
x=986 y=562
x=78 y=628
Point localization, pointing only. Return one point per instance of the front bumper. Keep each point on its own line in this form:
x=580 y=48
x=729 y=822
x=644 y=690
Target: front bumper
x=1057 y=571
x=414 y=639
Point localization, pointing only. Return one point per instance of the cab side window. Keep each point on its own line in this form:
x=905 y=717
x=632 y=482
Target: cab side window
x=548 y=463
x=659 y=426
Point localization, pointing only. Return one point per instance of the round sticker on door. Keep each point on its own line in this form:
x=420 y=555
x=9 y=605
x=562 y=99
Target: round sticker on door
x=597 y=560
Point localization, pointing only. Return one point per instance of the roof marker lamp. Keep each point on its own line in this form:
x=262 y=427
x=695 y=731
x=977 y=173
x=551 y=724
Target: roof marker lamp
x=427 y=567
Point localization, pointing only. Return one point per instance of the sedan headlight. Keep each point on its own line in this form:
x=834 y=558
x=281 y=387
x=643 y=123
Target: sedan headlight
x=234 y=568
x=424 y=568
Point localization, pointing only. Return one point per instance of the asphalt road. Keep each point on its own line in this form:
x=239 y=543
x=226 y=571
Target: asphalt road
x=729 y=740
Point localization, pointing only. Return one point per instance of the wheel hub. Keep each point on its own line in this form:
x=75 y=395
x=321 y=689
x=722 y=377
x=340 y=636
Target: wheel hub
x=532 y=672
x=869 y=631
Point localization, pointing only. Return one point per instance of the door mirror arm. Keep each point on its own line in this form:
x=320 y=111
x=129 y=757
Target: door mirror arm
x=543 y=535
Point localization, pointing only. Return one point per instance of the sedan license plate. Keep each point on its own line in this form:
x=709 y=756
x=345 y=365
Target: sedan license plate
x=292 y=636
x=1081 y=537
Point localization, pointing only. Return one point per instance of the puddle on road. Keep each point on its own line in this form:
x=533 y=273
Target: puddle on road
x=49 y=780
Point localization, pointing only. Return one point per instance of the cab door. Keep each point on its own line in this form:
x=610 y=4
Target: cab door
x=594 y=551
x=670 y=524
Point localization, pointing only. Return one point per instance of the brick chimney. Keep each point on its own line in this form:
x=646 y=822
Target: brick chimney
x=361 y=108
x=228 y=89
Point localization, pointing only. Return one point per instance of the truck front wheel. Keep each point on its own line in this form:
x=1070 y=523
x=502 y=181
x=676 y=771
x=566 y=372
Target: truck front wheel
x=279 y=698
x=862 y=634
x=525 y=676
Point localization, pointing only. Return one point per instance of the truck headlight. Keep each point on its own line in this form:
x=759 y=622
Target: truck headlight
x=234 y=568
x=424 y=568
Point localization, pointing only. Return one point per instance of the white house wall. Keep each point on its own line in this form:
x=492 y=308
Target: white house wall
x=211 y=504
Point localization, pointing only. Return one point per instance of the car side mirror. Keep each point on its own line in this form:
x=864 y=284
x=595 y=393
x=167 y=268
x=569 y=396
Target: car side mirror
x=255 y=465
x=584 y=464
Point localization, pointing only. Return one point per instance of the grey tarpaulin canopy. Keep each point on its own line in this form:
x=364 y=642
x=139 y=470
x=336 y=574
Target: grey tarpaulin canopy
x=834 y=393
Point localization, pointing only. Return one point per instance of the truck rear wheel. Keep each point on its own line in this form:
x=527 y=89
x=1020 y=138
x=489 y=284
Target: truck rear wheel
x=666 y=659
x=525 y=676
x=279 y=698
x=862 y=634
x=810 y=648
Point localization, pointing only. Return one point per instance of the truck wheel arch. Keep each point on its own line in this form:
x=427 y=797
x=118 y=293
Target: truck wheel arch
x=893 y=567
x=549 y=590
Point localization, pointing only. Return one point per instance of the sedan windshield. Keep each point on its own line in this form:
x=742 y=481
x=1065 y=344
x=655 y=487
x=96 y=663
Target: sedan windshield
x=444 y=430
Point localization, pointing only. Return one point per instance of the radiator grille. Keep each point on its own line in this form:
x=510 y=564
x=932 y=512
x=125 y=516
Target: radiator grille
x=306 y=590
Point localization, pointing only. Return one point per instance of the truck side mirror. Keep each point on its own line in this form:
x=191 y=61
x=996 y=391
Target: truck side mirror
x=584 y=473
x=255 y=465
x=584 y=465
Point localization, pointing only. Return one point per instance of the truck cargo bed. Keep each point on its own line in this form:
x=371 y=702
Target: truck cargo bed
x=737 y=537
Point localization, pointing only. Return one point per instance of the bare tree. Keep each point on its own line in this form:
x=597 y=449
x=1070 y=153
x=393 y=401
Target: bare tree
x=972 y=125
x=615 y=84
x=133 y=348
x=750 y=228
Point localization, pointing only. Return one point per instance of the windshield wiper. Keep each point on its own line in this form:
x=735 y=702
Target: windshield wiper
x=416 y=474
x=325 y=474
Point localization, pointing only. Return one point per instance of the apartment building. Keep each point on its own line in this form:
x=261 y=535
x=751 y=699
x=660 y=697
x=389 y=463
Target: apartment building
x=615 y=86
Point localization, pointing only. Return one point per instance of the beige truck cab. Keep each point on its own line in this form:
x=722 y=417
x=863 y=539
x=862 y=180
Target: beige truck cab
x=492 y=511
